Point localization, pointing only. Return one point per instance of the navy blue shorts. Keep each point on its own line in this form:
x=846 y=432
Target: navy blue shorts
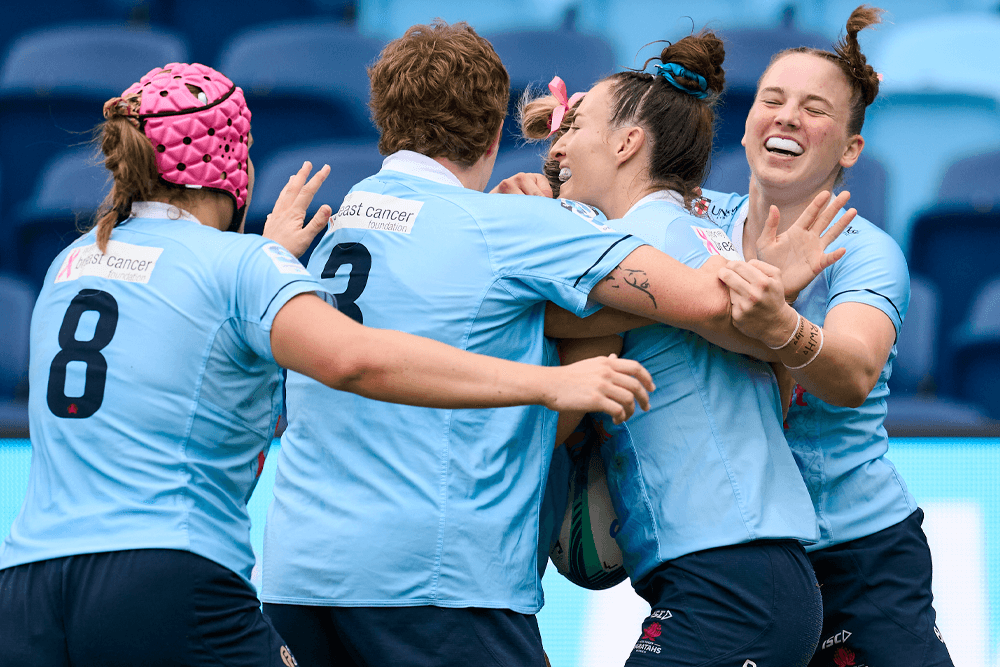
x=408 y=636
x=747 y=605
x=877 y=601
x=148 y=607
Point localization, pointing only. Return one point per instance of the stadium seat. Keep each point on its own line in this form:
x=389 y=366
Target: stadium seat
x=21 y=18
x=17 y=298
x=916 y=348
x=971 y=39
x=533 y=57
x=916 y=136
x=977 y=351
x=635 y=26
x=53 y=85
x=388 y=19
x=748 y=53
x=209 y=24
x=973 y=182
x=527 y=158
x=349 y=163
x=304 y=82
x=67 y=194
x=952 y=247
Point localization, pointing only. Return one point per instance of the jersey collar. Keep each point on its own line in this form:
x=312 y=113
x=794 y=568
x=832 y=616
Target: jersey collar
x=421 y=166
x=161 y=210
x=659 y=195
x=739 y=223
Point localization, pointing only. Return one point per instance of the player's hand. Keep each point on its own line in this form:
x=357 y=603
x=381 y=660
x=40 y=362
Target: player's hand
x=286 y=222
x=601 y=384
x=799 y=252
x=758 y=301
x=524 y=184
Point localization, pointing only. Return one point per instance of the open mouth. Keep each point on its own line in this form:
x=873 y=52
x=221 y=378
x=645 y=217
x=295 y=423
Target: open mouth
x=565 y=174
x=783 y=147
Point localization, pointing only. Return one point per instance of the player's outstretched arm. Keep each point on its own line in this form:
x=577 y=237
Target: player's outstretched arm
x=286 y=222
x=312 y=338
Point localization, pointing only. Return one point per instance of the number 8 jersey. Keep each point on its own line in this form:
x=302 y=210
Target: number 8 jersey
x=153 y=391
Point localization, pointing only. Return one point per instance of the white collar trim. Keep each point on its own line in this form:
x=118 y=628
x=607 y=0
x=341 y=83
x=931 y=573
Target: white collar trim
x=421 y=166
x=659 y=195
x=160 y=210
x=739 y=224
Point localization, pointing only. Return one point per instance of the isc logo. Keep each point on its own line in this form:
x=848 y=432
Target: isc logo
x=838 y=638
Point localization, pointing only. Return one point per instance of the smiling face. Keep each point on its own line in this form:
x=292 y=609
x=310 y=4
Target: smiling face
x=585 y=150
x=796 y=135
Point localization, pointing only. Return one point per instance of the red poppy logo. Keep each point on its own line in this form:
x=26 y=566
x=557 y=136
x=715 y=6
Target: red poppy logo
x=652 y=632
x=843 y=657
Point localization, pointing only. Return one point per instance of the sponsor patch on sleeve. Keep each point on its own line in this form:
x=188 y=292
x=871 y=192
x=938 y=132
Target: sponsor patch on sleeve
x=588 y=213
x=369 y=210
x=122 y=261
x=716 y=242
x=284 y=260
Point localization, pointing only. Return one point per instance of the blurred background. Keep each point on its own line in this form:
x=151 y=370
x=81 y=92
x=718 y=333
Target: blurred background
x=929 y=176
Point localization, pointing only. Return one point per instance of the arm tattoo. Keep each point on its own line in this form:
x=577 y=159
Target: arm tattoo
x=635 y=278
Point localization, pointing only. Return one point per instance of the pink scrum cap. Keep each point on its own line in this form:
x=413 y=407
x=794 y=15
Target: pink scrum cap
x=200 y=139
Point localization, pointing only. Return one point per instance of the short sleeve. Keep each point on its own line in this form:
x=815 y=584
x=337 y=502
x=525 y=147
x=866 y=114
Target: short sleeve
x=872 y=272
x=559 y=252
x=268 y=276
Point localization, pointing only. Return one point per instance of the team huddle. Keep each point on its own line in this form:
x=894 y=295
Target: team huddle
x=445 y=348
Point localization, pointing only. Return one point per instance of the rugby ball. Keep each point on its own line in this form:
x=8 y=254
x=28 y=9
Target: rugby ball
x=586 y=552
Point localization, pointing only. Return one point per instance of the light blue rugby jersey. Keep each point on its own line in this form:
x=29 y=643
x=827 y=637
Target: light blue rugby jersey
x=856 y=490
x=154 y=393
x=707 y=465
x=377 y=504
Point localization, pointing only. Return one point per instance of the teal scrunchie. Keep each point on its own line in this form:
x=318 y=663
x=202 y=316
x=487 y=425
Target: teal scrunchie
x=670 y=70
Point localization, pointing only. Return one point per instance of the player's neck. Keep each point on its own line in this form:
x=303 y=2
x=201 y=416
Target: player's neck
x=211 y=211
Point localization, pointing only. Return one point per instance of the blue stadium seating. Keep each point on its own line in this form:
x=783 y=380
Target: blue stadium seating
x=349 y=163
x=916 y=349
x=388 y=19
x=17 y=298
x=533 y=57
x=952 y=247
x=304 y=82
x=633 y=26
x=53 y=85
x=977 y=351
x=67 y=194
x=971 y=39
x=211 y=23
x=916 y=136
x=973 y=182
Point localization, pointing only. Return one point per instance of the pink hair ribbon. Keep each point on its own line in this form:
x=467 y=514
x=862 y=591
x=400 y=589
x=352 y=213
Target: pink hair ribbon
x=558 y=88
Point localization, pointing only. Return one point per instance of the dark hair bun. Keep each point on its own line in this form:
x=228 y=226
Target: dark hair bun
x=702 y=54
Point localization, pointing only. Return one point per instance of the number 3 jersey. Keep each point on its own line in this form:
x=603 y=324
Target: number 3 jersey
x=377 y=504
x=154 y=394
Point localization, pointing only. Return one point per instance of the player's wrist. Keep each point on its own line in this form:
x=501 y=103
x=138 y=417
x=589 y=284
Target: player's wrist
x=780 y=336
